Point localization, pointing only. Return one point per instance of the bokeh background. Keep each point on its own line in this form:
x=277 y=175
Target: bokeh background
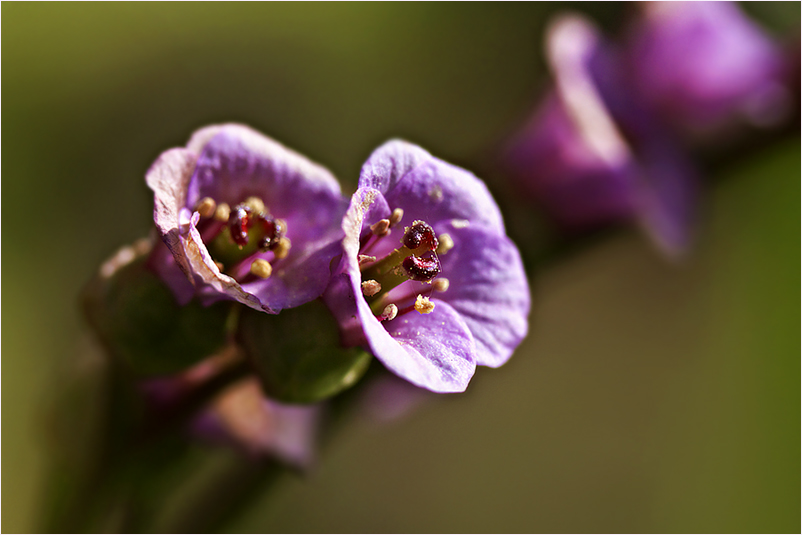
x=649 y=396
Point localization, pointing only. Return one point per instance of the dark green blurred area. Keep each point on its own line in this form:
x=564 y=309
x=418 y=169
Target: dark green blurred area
x=648 y=397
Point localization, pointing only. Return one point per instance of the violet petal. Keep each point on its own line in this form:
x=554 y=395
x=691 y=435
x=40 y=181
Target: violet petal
x=488 y=288
x=427 y=187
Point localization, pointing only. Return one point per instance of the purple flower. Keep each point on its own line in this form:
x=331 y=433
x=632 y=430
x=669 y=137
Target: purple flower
x=244 y=218
x=593 y=153
x=241 y=416
x=704 y=64
x=429 y=280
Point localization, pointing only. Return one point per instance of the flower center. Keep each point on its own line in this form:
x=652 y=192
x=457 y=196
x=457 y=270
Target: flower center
x=238 y=238
x=415 y=262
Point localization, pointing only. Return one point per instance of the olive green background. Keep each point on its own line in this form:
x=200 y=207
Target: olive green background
x=649 y=396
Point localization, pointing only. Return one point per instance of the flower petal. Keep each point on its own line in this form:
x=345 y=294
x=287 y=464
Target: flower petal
x=427 y=187
x=435 y=351
x=579 y=186
x=169 y=178
x=298 y=280
x=243 y=416
x=203 y=266
x=704 y=62
x=237 y=162
x=488 y=288
x=668 y=197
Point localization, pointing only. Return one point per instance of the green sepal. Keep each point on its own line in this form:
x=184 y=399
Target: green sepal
x=298 y=355
x=139 y=321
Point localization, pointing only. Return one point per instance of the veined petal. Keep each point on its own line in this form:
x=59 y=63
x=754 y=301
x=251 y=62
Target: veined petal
x=435 y=351
x=237 y=162
x=169 y=177
x=427 y=187
x=488 y=288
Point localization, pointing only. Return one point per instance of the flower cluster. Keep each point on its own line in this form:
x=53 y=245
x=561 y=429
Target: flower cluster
x=608 y=142
x=416 y=269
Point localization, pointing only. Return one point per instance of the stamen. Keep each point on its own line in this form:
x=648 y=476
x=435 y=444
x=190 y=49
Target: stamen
x=423 y=305
x=389 y=313
x=222 y=212
x=206 y=207
x=418 y=239
x=446 y=244
x=396 y=216
x=238 y=225
x=261 y=268
x=273 y=230
x=381 y=227
x=421 y=268
x=220 y=266
x=440 y=284
x=420 y=235
x=370 y=288
x=365 y=259
x=282 y=249
x=256 y=204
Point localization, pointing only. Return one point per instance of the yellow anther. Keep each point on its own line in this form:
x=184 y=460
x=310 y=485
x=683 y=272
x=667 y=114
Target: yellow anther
x=283 y=248
x=255 y=203
x=370 y=288
x=396 y=216
x=440 y=284
x=423 y=305
x=389 y=312
x=365 y=259
x=261 y=268
x=206 y=207
x=381 y=227
x=445 y=245
x=220 y=266
x=222 y=212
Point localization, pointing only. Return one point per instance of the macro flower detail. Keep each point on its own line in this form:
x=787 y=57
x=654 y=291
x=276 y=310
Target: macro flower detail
x=704 y=64
x=594 y=153
x=429 y=281
x=245 y=219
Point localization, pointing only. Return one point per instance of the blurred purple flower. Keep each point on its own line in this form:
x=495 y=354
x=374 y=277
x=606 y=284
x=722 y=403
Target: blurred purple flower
x=705 y=64
x=240 y=415
x=593 y=154
x=453 y=295
x=244 y=218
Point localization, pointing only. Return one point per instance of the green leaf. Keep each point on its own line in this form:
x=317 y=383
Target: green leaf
x=139 y=320
x=298 y=354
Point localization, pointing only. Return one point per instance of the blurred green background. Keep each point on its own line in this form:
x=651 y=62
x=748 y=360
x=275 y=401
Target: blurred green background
x=648 y=396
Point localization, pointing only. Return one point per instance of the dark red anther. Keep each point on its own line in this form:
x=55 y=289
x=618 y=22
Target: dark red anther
x=420 y=234
x=243 y=218
x=238 y=224
x=273 y=232
x=421 y=268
